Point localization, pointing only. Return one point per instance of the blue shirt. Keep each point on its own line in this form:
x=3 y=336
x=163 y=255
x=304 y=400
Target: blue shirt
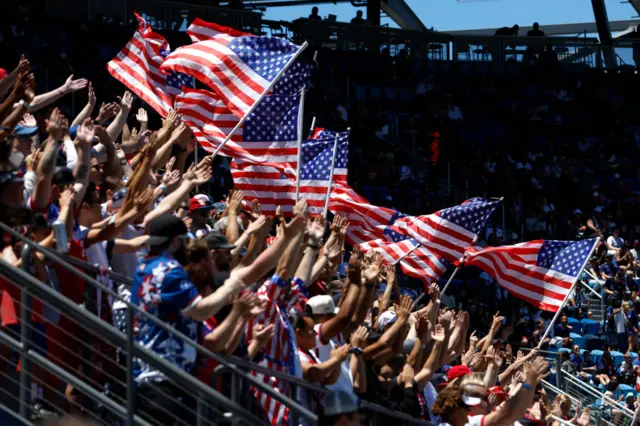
x=161 y=287
x=577 y=360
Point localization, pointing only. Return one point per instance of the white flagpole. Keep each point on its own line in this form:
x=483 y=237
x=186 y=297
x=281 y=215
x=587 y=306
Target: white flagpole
x=266 y=91
x=566 y=299
x=313 y=126
x=475 y=240
x=330 y=184
x=300 y=119
x=585 y=285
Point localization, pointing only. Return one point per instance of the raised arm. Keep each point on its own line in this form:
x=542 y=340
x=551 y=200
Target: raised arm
x=495 y=326
x=235 y=204
x=26 y=92
x=257 y=241
x=41 y=195
x=68 y=87
x=315 y=230
x=84 y=139
x=172 y=132
x=333 y=326
x=433 y=362
x=116 y=126
x=88 y=108
x=7 y=82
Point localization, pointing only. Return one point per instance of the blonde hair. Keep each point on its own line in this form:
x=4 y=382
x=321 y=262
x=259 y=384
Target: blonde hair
x=474 y=379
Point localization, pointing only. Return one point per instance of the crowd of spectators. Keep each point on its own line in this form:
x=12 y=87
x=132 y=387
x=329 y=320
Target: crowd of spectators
x=557 y=142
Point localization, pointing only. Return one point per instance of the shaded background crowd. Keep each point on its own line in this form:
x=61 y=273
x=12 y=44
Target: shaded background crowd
x=557 y=141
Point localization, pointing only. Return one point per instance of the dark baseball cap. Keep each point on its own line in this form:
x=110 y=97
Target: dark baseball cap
x=63 y=176
x=216 y=240
x=164 y=228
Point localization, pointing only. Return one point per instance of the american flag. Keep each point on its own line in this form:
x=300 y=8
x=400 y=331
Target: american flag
x=274 y=187
x=540 y=272
x=201 y=30
x=450 y=231
x=291 y=82
x=374 y=228
x=241 y=69
x=269 y=135
x=137 y=66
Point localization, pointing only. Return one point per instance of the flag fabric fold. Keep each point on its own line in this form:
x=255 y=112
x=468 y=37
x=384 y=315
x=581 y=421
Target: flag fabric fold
x=240 y=68
x=268 y=137
x=541 y=272
x=137 y=66
x=450 y=231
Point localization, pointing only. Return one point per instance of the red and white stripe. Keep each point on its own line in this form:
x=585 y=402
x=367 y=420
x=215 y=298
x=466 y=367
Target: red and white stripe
x=137 y=66
x=422 y=263
x=440 y=235
x=211 y=121
x=201 y=30
x=214 y=64
x=514 y=267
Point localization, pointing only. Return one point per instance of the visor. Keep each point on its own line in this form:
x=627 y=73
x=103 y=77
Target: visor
x=471 y=401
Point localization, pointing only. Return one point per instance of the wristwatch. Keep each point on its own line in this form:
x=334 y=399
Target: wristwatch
x=23 y=104
x=356 y=351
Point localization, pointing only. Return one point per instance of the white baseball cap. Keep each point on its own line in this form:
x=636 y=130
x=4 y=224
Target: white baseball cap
x=471 y=400
x=386 y=319
x=321 y=305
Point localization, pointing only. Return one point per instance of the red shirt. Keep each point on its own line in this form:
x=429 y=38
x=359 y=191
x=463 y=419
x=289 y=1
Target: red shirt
x=12 y=301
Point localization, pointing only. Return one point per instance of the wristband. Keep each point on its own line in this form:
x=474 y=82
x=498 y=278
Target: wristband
x=356 y=351
x=278 y=281
x=164 y=188
x=23 y=104
x=526 y=386
x=112 y=220
x=314 y=247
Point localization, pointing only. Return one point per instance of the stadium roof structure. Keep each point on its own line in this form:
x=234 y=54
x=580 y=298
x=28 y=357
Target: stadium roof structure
x=559 y=29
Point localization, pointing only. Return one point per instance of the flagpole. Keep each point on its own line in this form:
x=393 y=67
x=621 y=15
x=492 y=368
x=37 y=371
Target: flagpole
x=590 y=289
x=566 y=298
x=330 y=184
x=300 y=119
x=256 y=103
x=455 y=272
x=313 y=126
x=475 y=240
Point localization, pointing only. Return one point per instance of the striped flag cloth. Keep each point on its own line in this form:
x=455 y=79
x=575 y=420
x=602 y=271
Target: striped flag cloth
x=296 y=76
x=450 y=231
x=269 y=135
x=137 y=66
x=540 y=272
x=373 y=228
x=274 y=187
x=239 y=68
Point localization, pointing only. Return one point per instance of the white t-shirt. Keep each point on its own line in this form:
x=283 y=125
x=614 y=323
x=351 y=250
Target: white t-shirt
x=345 y=381
x=615 y=242
x=475 y=421
x=619 y=318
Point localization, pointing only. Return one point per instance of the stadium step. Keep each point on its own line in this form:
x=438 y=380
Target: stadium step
x=597 y=307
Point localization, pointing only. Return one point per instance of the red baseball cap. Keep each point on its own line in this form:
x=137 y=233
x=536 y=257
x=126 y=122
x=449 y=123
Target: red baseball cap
x=200 y=202
x=3 y=73
x=457 y=372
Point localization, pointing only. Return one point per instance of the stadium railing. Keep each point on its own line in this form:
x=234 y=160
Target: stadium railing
x=105 y=402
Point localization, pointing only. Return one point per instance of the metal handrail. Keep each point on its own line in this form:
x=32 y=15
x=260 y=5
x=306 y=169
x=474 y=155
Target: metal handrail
x=115 y=335
x=231 y=363
x=595 y=393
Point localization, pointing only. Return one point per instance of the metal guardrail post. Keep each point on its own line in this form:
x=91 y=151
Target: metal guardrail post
x=131 y=395
x=25 y=338
x=200 y=411
x=235 y=397
x=294 y=395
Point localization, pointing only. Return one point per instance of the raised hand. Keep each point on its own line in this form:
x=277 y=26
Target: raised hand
x=28 y=120
x=372 y=273
x=257 y=225
x=262 y=334
x=341 y=352
x=235 y=200
x=244 y=303
x=359 y=337
x=107 y=112
x=29 y=88
x=67 y=197
x=142 y=116
x=258 y=307
x=55 y=125
x=23 y=65
x=333 y=251
x=300 y=209
x=126 y=102
x=33 y=160
x=497 y=321
x=103 y=135
x=438 y=334
x=200 y=174
x=403 y=310
x=294 y=228
x=407 y=375
x=91 y=96
x=72 y=85
x=86 y=132
x=256 y=210
x=473 y=340
x=142 y=202
x=315 y=230
x=434 y=292
x=355 y=264
x=536 y=370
